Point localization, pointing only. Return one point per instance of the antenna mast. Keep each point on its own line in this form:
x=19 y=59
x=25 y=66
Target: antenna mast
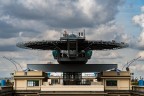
x=130 y=62
x=13 y=61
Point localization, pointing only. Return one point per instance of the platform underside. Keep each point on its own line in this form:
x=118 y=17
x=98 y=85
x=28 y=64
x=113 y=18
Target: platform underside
x=71 y=67
x=52 y=45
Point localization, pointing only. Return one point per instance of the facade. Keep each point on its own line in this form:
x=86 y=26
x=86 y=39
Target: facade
x=118 y=83
x=28 y=83
x=38 y=83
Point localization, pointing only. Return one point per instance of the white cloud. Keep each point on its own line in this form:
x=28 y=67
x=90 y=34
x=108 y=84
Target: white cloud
x=141 y=53
x=142 y=8
x=50 y=35
x=109 y=31
x=67 y=14
x=25 y=20
x=89 y=7
x=139 y=68
x=10 y=41
x=139 y=20
x=107 y=55
x=30 y=4
x=141 y=41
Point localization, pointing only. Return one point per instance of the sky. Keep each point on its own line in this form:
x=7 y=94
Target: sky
x=107 y=20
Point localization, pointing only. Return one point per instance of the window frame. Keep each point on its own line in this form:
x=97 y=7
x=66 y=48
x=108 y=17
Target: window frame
x=33 y=83
x=113 y=83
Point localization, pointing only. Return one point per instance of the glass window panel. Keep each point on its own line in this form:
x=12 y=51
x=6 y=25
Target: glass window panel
x=111 y=82
x=33 y=83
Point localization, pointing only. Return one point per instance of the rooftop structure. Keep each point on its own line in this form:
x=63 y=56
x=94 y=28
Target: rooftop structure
x=72 y=53
x=71 y=48
x=38 y=84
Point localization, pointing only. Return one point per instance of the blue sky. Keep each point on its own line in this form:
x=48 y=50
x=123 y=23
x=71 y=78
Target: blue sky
x=127 y=11
x=28 y=20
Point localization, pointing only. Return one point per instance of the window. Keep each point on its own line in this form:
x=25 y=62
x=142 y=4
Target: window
x=33 y=83
x=54 y=81
x=111 y=82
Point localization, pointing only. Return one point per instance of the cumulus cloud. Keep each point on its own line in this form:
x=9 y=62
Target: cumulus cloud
x=33 y=18
x=141 y=53
x=50 y=35
x=107 y=55
x=25 y=20
x=30 y=20
x=67 y=14
x=109 y=31
x=140 y=44
x=139 y=20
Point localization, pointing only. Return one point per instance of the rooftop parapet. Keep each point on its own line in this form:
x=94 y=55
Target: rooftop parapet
x=114 y=73
x=34 y=73
x=29 y=73
x=19 y=73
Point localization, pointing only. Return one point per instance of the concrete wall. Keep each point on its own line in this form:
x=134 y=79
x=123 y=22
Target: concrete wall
x=21 y=78
x=21 y=84
x=122 y=84
x=123 y=80
x=73 y=88
x=29 y=73
x=114 y=73
x=19 y=73
x=34 y=73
